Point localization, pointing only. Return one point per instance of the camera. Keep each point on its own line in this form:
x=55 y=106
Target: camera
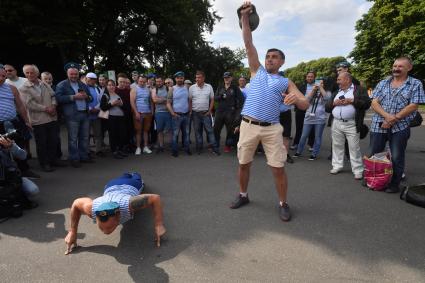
x=12 y=135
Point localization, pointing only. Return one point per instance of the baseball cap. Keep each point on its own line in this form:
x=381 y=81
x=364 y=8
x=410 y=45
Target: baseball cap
x=91 y=75
x=227 y=74
x=187 y=82
x=343 y=65
x=179 y=74
x=70 y=65
x=151 y=75
x=107 y=209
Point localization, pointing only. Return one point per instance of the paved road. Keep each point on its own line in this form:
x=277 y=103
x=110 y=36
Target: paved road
x=340 y=232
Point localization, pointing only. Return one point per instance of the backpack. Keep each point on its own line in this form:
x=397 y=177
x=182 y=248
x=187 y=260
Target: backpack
x=414 y=195
x=12 y=199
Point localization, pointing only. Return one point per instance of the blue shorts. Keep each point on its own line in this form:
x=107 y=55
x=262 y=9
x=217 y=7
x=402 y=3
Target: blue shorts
x=132 y=179
x=163 y=121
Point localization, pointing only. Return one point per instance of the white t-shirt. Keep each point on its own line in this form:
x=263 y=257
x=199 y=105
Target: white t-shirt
x=201 y=97
x=345 y=112
x=18 y=83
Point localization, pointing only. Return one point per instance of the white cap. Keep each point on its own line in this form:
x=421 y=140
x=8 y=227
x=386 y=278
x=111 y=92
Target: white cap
x=91 y=76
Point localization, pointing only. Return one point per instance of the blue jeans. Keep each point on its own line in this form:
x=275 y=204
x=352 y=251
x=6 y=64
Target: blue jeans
x=29 y=188
x=78 y=136
x=398 y=144
x=201 y=122
x=318 y=133
x=180 y=123
x=133 y=179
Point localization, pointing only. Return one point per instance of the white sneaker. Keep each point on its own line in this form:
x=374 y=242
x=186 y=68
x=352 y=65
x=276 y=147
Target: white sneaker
x=358 y=176
x=147 y=150
x=335 y=171
x=138 y=151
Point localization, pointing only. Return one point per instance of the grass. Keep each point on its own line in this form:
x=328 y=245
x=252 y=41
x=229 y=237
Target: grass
x=422 y=108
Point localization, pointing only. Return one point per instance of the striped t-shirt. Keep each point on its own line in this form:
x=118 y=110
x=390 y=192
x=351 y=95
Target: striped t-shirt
x=265 y=96
x=120 y=194
x=7 y=103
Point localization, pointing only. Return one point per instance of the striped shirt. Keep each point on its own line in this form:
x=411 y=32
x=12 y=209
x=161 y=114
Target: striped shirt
x=143 y=101
x=393 y=100
x=265 y=96
x=7 y=103
x=120 y=194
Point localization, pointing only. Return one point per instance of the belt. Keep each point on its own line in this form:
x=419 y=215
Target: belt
x=345 y=120
x=82 y=111
x=180 y=113
x=258 y=123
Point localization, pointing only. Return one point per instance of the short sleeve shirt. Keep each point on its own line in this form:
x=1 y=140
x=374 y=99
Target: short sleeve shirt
x=393 y=100
x=201 y=97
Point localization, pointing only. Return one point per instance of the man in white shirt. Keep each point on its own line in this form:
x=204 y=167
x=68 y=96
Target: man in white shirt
x=12 y=76
x=201 y=97
x=344 y=125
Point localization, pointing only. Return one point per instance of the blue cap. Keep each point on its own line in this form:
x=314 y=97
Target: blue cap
x=151 y=75
x=71 y=65
x=107 y=209
x=179 y=74
x=227 y=74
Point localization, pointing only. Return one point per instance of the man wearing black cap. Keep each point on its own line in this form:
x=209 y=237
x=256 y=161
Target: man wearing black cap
x=121 y=199
x=74 y=97
x=229 y=101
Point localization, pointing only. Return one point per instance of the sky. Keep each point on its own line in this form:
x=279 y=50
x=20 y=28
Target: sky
x=303 y=29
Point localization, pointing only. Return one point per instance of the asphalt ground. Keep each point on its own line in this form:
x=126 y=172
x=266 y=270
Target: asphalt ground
x=340 y=231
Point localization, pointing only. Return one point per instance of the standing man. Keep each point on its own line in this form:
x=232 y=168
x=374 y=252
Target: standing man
x=395 y=101
x=72 y=94
x=201 y=96
x=94 y=108
x=242 y=86
x=40 y=101
x=123 y=90
x=348 y=107
x=12 y=76
x=305 y=89
x=260 y=121
x=134 y=77
x=230 y=101
x=178 y=105
x=162 y=116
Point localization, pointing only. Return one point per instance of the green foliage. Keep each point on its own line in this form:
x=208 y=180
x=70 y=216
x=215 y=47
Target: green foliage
x=390 y=29
x=324 y=68
x=107 y=35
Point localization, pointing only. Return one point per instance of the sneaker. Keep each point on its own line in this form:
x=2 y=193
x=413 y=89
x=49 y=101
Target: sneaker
x=358 y=176
x=312 y=158
x=30 y=174
x=293 y=147
x=335 y=171
x=216 y=152
x=147 y=150
x=310 y=149
x=75 y=163
x=239 y=201
x=284 y=212
x=47 y=168
x=138 y=151
x=297 y=155
x=289 y=159
x=117 y=155
x=227 y=149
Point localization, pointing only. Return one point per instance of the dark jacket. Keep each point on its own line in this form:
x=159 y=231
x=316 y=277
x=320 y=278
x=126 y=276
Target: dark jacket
x=64 y=94
x=361 y=103
x=231 y=99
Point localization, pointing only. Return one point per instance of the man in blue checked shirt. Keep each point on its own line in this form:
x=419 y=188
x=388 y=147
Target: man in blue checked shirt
x=395 y=101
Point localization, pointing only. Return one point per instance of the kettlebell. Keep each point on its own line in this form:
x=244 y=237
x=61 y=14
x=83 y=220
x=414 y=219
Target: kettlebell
x=254 y=19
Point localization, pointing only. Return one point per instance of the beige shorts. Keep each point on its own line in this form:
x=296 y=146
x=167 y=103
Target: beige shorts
x=270 y=137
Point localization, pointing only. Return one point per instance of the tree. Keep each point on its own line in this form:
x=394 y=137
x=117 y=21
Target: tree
x=390 y=29
x=105 y=34
x=324 y=68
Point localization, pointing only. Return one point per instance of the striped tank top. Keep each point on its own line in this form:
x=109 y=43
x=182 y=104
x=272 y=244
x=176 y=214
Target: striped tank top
x=265 y=96
x=7 y=103
x=143 y=101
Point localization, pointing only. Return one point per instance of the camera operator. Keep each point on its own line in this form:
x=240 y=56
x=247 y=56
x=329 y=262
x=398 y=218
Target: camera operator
x=10 y=174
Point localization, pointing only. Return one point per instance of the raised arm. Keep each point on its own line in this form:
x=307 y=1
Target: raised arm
x=295 y=97
x=251 y=51
x=79 y=206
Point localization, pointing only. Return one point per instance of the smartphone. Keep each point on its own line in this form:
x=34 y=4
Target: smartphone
x=317 y=82
x=341 y=97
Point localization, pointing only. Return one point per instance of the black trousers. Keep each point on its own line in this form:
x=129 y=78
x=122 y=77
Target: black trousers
x=224 y=119
x=46 y=142
x=117 y=132
x=299 y=124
